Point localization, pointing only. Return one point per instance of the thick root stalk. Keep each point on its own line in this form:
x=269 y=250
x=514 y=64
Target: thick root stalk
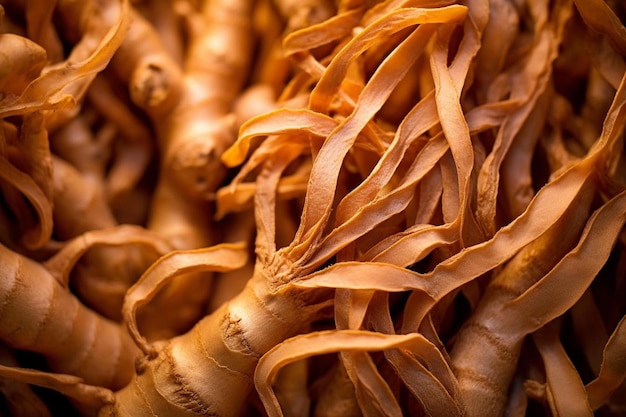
x=485 y=359
x=42 y=316
x=193 y=373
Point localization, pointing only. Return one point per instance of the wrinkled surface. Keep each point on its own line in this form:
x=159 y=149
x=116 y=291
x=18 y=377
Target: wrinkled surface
x=400 y=207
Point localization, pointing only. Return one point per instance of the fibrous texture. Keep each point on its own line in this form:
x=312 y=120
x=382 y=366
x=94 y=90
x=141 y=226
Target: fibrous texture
x=313 y=208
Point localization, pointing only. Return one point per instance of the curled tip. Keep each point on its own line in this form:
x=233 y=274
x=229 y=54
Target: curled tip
x=130 y=316
x=141 y=363
x=218 y=258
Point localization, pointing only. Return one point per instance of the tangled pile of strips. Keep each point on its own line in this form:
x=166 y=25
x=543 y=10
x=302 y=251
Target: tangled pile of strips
x=312 y=208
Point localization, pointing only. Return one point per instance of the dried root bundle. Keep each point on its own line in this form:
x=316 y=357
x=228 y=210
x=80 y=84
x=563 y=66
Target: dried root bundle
x=327 y=208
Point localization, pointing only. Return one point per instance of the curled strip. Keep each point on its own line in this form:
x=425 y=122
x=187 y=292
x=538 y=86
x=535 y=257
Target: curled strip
x=220 y=258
